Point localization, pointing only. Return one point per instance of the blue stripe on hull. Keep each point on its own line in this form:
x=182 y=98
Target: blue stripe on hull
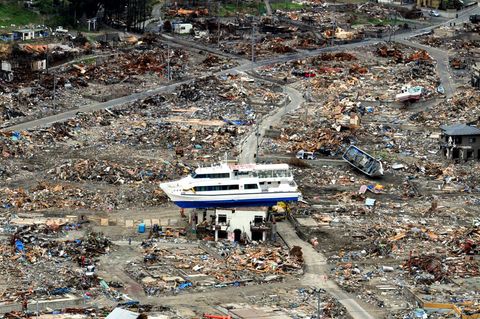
x=234 y=203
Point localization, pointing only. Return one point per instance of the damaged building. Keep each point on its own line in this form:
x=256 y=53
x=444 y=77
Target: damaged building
x=235 y=225
x=460 y=142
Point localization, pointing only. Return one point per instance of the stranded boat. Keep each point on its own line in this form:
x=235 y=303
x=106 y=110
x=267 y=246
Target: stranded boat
x=409 y=94
x=363 y=161
x=227 y=185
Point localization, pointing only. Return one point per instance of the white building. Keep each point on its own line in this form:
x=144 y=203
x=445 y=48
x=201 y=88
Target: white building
x=182 y=28
x=236 y=224
x=24 y=34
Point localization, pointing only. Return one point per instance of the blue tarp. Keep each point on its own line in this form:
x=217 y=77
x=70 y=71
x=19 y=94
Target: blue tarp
x=60 y=291
x=236 y=122
x=19 y=245
x=185 y=285
x=16 y=135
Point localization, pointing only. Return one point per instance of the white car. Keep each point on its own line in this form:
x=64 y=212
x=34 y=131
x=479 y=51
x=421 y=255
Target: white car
x=434 y=13
x=305 y=155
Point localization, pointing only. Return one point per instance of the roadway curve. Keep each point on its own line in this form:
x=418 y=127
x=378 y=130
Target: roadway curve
x=439 y=55
x=249 y=147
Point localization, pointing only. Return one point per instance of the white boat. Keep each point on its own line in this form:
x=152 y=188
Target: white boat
x=231 y=185
x=409 y=93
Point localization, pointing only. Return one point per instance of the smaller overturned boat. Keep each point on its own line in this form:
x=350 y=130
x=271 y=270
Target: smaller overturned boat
x=363 y=161
x=409 y=94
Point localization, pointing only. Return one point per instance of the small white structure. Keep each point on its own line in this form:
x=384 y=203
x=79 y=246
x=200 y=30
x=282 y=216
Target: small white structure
x=61 y=30
x=242 y=223
x=182 y=28
x=119 y=313
x=24 y=34
x=6 y=66
x=39 y=65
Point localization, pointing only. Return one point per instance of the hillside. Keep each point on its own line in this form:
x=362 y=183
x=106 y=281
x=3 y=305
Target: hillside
x=14 y=15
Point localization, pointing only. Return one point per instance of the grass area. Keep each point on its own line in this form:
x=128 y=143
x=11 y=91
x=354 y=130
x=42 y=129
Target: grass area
x=365 y=20
x=11 y=13
x=88 y=61
x=231 y=9
x=352 y=1
x=286 y=5
x=385 y=156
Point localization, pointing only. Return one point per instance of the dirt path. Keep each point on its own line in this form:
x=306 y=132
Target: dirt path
x=316 y=274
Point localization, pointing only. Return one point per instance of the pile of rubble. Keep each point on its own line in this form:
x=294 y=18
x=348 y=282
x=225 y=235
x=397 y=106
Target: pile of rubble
x=197 y=268
x=299 y=303
x=113 y=173
x=48 y=265
x=462 y=107
x=42 y=196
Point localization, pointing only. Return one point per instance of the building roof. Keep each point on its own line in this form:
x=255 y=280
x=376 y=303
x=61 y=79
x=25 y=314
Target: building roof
x=119 y=313
x=29 y=30
x=460 y=129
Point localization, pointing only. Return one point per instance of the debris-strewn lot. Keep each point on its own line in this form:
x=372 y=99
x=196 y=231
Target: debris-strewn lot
x=412 y=232
x=110 y=73
x=184 y=269
x=84 y=223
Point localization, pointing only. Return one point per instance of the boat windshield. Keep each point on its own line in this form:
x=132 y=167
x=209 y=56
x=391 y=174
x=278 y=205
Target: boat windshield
x=274 y=173
x=212 y=175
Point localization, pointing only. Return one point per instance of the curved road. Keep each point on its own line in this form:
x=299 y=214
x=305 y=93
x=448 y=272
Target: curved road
x=316 y=269
x=249 y=146
x=439 y=55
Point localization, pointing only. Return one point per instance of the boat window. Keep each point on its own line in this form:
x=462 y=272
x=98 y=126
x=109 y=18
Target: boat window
x=216 y=175
x=264 y=174
x=222 y=219
x=215 y=188
x=250 y=186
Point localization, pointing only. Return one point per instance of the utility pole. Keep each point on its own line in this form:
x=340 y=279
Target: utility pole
x=253 y=41
x=218 y=24
x=394 y=24
x=46 y=61
x=333 y=32
x=37 y=307
x=257 y=135
x=54 y=89
x=319 y=309
x=168 y=62
x=308 y=99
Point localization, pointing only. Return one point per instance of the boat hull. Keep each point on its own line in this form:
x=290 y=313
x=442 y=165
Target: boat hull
x=233 y=202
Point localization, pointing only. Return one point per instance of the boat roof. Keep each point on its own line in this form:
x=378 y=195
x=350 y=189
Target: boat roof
x=259 y=167
x=226 y=168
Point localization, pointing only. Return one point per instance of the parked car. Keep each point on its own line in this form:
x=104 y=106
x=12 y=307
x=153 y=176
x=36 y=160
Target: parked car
x=434 y=13
x=305 y=155
x=475 y=18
